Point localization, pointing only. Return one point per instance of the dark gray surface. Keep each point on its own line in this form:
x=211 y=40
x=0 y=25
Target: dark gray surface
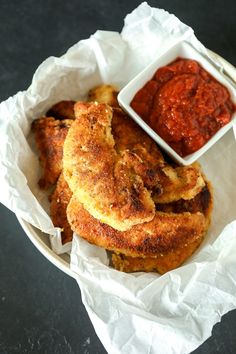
x=40 y=307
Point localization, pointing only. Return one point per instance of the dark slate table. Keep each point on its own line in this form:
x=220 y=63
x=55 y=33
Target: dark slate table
x=40 y=307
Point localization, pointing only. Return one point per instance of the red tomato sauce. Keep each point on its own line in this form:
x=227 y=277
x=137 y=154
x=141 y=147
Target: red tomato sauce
x=184 y=104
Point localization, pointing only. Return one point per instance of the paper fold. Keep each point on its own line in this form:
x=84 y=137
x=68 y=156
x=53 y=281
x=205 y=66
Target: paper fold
x=173 y=313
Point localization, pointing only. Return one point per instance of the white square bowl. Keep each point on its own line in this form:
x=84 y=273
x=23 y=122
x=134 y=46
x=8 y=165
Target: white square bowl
x=182 y=50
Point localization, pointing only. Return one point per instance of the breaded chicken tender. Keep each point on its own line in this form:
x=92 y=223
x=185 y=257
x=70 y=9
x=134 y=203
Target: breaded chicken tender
x=50 y=135
x=162 y=263
x=165 y=232
x=98 y=176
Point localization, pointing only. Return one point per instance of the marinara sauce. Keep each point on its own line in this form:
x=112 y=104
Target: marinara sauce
x=184 y=104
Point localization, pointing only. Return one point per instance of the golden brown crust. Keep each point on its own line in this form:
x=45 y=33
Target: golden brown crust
x=161 y=264
x=50 y=135
x=62 y=110
x=99 y=177
x=179 y=183
x=104 y=167
x=201 y=202
x=59 y=201
x=164 y=262
x=164 y=233
x=137 y=149
x=107 y=146
x=104 y=94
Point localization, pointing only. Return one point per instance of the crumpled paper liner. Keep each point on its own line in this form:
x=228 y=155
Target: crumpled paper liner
x=140 y=312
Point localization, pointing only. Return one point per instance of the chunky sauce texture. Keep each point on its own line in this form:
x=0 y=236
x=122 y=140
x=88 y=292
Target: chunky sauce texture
x=184 y=104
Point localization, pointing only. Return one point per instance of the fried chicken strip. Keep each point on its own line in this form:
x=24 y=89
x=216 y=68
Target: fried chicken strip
x=50 y=135
x=162 y=263
x=165 y=232
x=98 y=176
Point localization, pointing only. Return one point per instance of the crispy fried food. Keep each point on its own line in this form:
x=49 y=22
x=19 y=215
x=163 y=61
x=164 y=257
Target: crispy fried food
x=201 y=202
x=50 y=133
x=91 y=150
x=179 y=183
x=98 y=176
x=59 y=201
x=124 y=196
x=50 y=136
x=161 y=262
x=104 y=94
x=167 y=231
x=137 y=150
x=164 y=262
x=62 y=110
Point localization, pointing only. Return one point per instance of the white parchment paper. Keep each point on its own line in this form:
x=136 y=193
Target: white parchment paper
x=131 y=313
